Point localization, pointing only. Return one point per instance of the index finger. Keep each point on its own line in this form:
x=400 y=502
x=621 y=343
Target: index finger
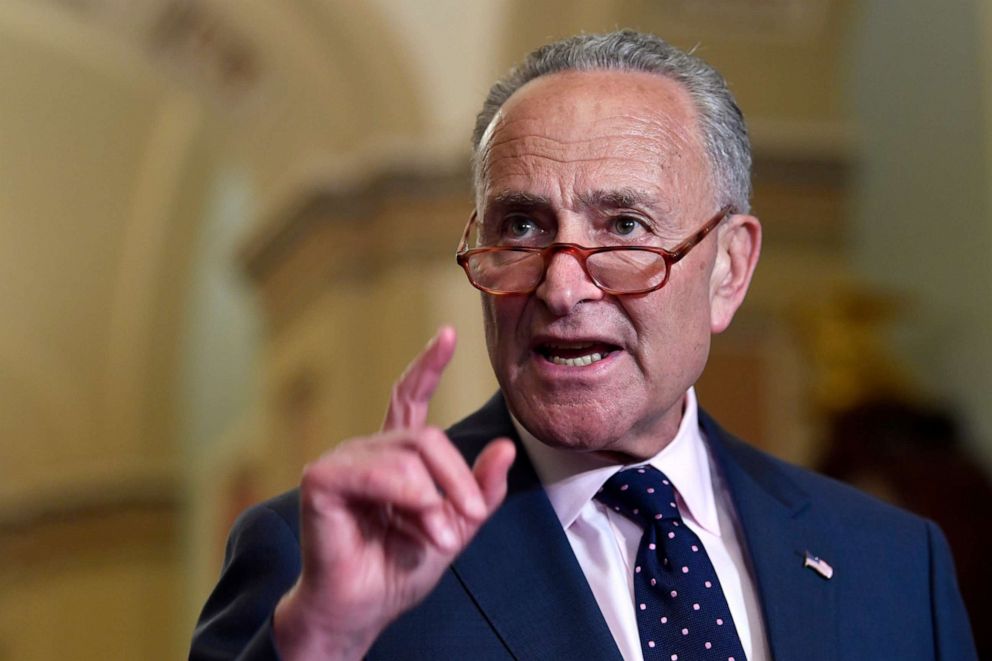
x=412 y=393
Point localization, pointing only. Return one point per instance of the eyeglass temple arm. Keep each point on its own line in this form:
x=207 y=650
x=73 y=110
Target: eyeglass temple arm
x=679 y=251
x=463 y=244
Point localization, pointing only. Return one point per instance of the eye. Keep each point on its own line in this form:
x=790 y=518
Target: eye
x=519 y=227
x=627 y=226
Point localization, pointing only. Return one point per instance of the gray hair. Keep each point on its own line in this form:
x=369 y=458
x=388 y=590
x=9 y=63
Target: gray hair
x=721 y=122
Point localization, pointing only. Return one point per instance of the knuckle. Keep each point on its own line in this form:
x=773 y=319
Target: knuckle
x=321 y=474
x=431 y=436
x=312 y=486
x=406 y=468
x=318 y=473
x=310 y=478
x=376 y=481
x=396 y=399
x=388 y=480
x=400 y=387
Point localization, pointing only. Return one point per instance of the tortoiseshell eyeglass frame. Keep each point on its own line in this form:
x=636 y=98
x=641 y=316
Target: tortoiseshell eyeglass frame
x=581 y=254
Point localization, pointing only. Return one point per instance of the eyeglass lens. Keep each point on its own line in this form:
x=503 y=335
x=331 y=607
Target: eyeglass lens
x=518 y=271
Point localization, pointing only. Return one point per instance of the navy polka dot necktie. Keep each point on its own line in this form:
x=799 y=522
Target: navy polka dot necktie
x=682 y=614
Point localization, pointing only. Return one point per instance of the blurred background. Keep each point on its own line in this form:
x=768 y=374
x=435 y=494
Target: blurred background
x=226 y=226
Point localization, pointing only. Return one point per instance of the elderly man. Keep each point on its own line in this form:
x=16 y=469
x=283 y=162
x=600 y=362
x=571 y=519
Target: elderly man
x=611 y=238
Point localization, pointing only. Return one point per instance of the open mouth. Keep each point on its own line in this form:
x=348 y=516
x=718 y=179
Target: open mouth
x=575 y=354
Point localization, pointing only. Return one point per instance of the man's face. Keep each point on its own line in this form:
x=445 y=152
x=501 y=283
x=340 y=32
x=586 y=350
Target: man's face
x=591 y=158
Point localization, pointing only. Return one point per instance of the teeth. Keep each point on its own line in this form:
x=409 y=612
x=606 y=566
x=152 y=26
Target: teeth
x=581 y=361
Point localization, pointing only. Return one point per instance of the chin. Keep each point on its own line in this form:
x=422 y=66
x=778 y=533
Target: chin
x=579 y=440
x=583 y=427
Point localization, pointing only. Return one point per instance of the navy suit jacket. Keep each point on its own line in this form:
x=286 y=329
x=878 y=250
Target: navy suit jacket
x=517 y=591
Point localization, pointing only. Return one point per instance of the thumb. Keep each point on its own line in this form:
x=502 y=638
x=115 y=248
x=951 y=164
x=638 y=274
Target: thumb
x=491 y=469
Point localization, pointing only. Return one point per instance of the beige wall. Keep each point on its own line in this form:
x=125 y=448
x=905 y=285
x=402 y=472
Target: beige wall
x=228 y=224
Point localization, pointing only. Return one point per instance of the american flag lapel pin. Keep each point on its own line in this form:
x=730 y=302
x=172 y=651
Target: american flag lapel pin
x=819 y=565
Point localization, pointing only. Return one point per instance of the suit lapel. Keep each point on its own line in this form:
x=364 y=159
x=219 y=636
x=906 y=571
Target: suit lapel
x=520 y=568
x=779 y=527
x=522 y=573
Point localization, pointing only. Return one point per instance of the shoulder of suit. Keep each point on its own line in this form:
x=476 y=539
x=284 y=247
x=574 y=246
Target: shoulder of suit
x=283 y=509
x=823 y=493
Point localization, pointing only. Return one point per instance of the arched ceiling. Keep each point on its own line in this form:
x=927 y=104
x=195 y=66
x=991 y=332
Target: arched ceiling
x=115 y=119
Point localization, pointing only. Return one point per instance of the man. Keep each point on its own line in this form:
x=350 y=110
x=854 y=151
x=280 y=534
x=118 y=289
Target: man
x=611 y=237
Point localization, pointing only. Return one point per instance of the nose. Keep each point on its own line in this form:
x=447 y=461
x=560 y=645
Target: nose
x=565 y=285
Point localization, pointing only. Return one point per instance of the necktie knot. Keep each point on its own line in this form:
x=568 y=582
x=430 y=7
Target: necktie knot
x=643 y=494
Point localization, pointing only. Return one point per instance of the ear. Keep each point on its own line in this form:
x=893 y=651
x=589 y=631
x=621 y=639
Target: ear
x=738 y=247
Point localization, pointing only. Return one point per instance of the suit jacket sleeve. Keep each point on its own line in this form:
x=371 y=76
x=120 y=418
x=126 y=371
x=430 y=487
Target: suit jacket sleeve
x=951 y=628
x=261 y=563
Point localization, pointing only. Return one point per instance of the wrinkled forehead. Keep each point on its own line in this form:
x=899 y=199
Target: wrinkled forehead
x=581 y=125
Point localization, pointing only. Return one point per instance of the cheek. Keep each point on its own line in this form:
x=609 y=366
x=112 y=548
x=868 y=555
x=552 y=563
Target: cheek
x=500 y=316
x=489 y=322
x=673 y=323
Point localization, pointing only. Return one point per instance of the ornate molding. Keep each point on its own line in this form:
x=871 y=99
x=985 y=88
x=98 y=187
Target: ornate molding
x=67 y=498
x=329 y=235
x=192 y=38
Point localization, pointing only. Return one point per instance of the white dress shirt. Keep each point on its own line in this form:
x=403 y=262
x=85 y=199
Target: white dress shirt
x=605 y=542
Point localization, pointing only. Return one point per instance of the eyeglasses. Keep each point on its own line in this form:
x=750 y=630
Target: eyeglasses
x=504 y=270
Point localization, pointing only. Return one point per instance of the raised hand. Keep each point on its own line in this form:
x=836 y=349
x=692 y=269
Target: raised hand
x=382 y=517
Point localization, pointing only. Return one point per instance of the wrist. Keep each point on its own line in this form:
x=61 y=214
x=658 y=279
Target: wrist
x=299 y=635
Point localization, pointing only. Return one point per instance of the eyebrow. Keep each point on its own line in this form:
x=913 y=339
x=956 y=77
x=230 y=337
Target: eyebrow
x=622 y=198
x=520 y=200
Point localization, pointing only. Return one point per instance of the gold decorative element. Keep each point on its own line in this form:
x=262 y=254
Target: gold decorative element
x=844 y=335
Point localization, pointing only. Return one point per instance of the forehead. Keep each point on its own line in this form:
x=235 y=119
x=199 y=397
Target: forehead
x=570 y=133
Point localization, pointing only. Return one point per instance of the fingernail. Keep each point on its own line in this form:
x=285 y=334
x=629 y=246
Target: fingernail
x=476 y=508
x=446 y=538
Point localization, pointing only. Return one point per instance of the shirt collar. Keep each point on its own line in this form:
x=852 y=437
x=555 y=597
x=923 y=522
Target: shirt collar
x=571 y=479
